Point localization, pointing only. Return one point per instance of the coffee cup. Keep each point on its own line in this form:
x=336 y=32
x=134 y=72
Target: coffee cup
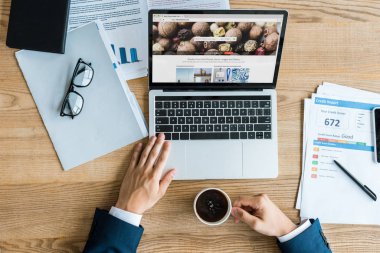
x=212 y=206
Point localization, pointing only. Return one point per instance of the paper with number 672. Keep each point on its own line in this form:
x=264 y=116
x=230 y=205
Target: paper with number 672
x=340 y=129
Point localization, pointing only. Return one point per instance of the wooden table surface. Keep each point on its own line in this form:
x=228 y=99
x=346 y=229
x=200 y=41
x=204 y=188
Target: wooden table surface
x=43 y=209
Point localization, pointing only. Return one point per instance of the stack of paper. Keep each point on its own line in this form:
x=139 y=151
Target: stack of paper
x=338 y=126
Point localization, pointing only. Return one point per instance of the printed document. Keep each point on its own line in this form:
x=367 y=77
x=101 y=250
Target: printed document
x=126 y=25
x=340 y=128
x=326 y=89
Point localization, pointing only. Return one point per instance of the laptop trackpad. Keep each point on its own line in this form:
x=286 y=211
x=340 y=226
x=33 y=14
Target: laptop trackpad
x=214 y=159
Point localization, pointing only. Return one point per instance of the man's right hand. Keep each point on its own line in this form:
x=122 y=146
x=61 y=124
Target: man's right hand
x=142 y=188
x=262 y=215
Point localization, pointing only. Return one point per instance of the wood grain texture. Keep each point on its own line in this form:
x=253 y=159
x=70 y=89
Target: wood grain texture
x=43 y=209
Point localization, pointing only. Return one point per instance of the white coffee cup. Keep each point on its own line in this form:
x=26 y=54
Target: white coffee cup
x=217 y=197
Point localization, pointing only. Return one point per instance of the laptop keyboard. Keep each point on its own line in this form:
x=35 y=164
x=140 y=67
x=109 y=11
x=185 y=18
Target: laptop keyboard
x=219 y=117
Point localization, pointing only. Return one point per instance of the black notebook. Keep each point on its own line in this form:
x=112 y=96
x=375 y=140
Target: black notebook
x=38 y=25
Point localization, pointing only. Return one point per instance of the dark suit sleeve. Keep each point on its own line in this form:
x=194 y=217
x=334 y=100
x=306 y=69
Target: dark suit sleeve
x=112 y=235
x=310 y=240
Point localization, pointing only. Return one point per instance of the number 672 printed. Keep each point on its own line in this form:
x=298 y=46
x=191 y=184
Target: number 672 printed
x=332 y=121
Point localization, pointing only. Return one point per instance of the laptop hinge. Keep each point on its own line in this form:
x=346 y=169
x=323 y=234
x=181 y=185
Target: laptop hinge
x=213 y=89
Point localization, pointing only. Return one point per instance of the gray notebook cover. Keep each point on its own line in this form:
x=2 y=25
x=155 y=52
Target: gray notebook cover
x=110 y=118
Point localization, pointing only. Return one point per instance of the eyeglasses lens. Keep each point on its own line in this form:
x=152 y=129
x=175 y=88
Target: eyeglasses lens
x=83 y=76
x=74 y=104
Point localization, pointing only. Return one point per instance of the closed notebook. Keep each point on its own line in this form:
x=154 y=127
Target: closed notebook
x=38 y=25
x=110 y=118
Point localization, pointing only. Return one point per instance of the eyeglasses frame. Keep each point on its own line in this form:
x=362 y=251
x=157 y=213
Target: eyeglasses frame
x=71 y=89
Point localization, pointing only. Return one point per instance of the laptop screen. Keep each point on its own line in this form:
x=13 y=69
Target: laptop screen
x=215 y=49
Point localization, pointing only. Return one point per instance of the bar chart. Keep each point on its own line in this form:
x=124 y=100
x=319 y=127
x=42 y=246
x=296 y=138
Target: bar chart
x=123 y=57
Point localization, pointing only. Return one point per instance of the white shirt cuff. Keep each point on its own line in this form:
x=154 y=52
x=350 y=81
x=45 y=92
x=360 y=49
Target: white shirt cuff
x=131 y=218
x=304 y=225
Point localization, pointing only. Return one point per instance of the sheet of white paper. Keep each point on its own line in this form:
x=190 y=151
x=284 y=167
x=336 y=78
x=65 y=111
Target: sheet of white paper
x=126 y=25
x=340 y=129
x=328 y=89
x=189 y=4
x=344 y=91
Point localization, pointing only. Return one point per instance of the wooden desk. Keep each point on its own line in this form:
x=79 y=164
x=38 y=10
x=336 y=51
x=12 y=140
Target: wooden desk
x=43 y=209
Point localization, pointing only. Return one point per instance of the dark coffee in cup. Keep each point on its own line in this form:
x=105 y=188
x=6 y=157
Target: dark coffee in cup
x=212 y=206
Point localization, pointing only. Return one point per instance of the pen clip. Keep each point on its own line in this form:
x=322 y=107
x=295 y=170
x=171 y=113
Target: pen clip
x=369 y=190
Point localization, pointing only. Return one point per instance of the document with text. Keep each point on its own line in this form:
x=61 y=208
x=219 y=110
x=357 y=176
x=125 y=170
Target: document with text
x=340 y=129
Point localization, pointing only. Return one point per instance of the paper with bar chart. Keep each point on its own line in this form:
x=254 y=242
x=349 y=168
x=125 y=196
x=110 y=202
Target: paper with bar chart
x=125 y=23
x=340 y=128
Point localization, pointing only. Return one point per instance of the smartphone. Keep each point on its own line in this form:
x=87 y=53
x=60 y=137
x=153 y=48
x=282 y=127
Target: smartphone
x=376 y=124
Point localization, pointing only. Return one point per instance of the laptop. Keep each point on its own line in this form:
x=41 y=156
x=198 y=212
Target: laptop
x=212 y=80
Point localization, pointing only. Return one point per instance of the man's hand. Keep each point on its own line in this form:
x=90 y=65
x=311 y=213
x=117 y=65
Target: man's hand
x=262 y=215
x=141 y=188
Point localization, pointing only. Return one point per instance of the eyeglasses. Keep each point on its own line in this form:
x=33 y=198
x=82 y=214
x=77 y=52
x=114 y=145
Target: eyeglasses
x=82 y=76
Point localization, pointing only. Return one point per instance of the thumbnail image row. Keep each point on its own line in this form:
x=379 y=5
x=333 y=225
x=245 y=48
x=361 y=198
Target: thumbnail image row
x=219 y=38
x=212 y=75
